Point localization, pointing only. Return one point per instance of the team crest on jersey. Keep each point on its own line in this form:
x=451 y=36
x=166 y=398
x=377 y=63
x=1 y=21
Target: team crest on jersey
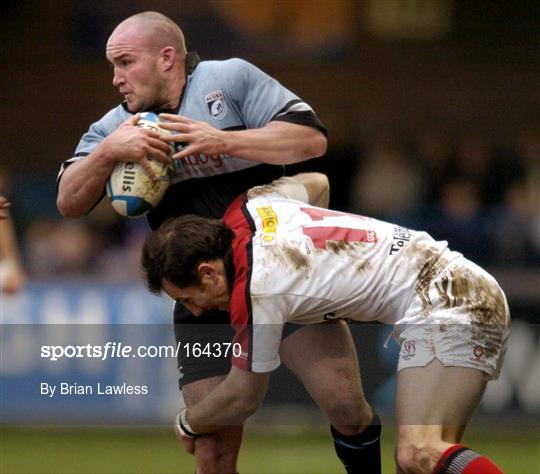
x=215 y=101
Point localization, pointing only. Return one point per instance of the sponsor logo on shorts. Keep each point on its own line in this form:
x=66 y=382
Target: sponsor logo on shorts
x=479 y=354
x=215 y=101
x=408 y=350
x=330 y=316
x=269 y=225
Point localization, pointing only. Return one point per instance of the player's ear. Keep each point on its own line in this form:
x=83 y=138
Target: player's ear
x=207 y=271
x=168 y=57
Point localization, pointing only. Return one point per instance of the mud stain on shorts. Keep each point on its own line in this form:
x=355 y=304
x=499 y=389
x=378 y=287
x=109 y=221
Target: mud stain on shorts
x=484 y=301
x=430 y=265
x=466 y=290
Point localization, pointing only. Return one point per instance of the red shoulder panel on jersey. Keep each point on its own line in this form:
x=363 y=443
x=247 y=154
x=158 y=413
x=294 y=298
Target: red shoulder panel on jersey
x=239 y=220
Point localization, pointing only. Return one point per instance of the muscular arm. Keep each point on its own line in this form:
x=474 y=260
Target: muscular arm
x=230 y=403
x=83 y=182
x=277 y=143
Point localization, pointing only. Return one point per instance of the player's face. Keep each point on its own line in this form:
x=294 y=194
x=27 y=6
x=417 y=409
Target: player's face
x=136 y=70
x=210 y=295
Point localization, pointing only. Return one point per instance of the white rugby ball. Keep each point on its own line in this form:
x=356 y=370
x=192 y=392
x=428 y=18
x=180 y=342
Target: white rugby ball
x=130 y=189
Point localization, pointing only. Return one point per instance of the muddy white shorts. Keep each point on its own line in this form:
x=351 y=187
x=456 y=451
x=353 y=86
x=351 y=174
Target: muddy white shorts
x=459 y=316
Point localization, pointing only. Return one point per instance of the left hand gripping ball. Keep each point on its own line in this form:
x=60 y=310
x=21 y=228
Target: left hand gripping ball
x=130 y=189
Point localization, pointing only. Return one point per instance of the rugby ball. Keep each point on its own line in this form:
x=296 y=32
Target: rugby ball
x=130 y=189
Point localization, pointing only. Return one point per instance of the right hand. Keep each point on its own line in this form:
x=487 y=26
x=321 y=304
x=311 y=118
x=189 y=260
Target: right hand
x=131 y=143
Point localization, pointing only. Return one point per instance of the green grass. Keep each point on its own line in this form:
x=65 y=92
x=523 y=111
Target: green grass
x=265 y=450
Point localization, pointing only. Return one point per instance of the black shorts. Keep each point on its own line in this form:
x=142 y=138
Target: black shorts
x=209 y=334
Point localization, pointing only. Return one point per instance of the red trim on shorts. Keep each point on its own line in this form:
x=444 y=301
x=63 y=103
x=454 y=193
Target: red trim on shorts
x=239 y=220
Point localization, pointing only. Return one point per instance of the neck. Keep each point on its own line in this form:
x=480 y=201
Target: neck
x=189 y=63
x=173 y=100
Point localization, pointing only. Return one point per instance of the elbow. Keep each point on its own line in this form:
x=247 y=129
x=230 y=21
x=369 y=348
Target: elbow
x=63 y=202
x=246 y=407
x=318 y=145
x=62 y=207
x=66 y=209
x=252 y=406
x=240 y=395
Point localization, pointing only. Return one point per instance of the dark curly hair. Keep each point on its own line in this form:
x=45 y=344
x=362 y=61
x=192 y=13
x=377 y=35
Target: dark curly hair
x=173 y=251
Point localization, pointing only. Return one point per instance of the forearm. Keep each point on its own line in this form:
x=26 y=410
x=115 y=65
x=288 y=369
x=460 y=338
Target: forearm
x=230 y=403
x=217 y=410
x=82 y=184
x=277 y=143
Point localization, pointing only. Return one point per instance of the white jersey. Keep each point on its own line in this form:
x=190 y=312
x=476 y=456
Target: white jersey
x=301 y=264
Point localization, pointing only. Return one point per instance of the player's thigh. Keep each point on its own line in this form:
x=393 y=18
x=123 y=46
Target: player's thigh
x=320 y=353
x=323 y=357
x=437 y=401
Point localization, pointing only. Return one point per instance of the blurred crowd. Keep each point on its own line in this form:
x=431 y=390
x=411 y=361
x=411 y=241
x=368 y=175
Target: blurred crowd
x=466 y=187
x=480 y=193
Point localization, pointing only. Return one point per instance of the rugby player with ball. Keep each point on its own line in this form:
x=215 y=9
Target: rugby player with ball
x=233 y=127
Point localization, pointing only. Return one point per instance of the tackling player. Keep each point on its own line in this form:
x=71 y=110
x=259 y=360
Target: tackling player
x=235 y=127
x=274 y=260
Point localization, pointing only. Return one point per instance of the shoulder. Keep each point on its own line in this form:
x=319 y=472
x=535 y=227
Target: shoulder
x=112 y=119
x=226 y=65
x=232 y=72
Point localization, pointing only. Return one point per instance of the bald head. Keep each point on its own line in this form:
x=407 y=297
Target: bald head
x=156 y=30
x=148 y=53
